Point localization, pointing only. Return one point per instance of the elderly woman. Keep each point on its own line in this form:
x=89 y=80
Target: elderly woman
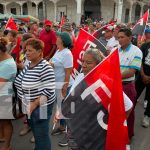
x=62 y=62
x=36 y=88
x=91 y=59
x=7 y=76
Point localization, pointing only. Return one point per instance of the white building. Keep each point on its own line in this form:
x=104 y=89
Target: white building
x=123 y=10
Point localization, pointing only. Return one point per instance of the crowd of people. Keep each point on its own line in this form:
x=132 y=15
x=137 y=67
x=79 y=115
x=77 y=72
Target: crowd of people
x=40 y=74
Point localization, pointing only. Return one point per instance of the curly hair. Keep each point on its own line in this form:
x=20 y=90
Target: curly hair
x=35 y=43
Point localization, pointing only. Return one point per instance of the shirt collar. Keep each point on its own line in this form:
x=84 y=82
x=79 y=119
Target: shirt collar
x=127 y=49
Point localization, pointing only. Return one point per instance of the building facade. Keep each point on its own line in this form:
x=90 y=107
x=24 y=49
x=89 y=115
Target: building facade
x=122 y=10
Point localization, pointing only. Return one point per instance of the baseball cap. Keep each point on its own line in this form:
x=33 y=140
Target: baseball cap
x=108 y=28
x=66 y=38
x=48 y=23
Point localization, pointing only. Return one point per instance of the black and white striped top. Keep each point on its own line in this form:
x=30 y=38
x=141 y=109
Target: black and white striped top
x=37 y=81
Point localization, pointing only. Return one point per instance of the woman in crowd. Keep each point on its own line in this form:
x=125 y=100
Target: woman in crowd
x=24 y=62
x=12 y=37
x=7 y=76
x=36 y=88
x=91 y=59
x=62 y=61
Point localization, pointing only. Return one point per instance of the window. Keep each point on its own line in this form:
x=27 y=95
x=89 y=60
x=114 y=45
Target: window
x=13 y=11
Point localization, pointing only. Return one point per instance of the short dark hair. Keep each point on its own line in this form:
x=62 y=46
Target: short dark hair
x=126 y=31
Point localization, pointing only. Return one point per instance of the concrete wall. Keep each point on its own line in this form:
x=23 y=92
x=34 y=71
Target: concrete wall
x=71 y=8
x=107 y=9
x=13 y=5
x=50 y=10
x=31 y=10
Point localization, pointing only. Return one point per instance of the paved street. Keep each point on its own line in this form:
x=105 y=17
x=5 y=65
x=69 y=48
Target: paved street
x=141 y=141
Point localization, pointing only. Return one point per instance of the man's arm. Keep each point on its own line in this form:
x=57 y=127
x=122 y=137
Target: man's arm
x=53 y=49
x=128 y=73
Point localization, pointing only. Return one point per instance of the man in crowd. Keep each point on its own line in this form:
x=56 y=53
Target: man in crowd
x=143 y=80
x=108 y=34
x=113 y=42
x=48 y=36
x=130 y=61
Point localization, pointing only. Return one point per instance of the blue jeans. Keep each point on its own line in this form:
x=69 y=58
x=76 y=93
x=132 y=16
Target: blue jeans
x=40 y=128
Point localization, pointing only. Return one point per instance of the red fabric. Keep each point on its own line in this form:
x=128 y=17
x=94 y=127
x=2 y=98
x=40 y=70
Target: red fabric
x=109 y=73
x=11 y=25
x=86 y=29
x=140 y=26
x=130 y=91
x=143 y=19
x=24 y=19
x=73 y=39
x=16 y=50
x=62 y=22
x=112 y=21
x=48 y=22
x=49 y=39
x=83 y=42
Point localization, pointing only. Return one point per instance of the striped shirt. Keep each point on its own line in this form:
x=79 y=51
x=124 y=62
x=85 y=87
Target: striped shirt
x=130 y=58
x=34 y=82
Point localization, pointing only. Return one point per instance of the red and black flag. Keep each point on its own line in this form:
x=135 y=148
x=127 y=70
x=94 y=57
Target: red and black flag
x=84 y=41
x=95 y=108
x=99 y=33
x=139 y=28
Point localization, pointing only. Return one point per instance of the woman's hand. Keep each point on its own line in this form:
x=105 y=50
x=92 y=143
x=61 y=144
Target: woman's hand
x=52 y=64
x=31 y=107
x=64 y=89
x=20 y=65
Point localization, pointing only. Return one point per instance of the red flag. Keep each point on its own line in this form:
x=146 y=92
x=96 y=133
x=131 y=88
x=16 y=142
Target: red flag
x=117 y=133
x=16 y=51
x=11 y=24
x=62 y=22
x=112 y=21
x=84 y=41
x=99 y=114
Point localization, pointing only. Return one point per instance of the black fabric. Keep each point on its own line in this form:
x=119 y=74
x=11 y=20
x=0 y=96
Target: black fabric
x=145 y=48
x=83 y=123
x=139 y=29
x=139 y=88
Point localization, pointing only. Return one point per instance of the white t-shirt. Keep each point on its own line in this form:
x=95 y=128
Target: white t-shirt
x=127 y=102
x=112 y=43
x=62 y=59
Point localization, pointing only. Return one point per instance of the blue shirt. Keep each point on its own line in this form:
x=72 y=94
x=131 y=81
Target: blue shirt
x=8 y=72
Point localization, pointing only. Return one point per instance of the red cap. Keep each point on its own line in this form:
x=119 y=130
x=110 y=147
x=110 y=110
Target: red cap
x=48 y=23
x=108 y=28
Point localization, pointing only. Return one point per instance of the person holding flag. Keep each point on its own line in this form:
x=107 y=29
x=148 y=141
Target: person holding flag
x=83 y=123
